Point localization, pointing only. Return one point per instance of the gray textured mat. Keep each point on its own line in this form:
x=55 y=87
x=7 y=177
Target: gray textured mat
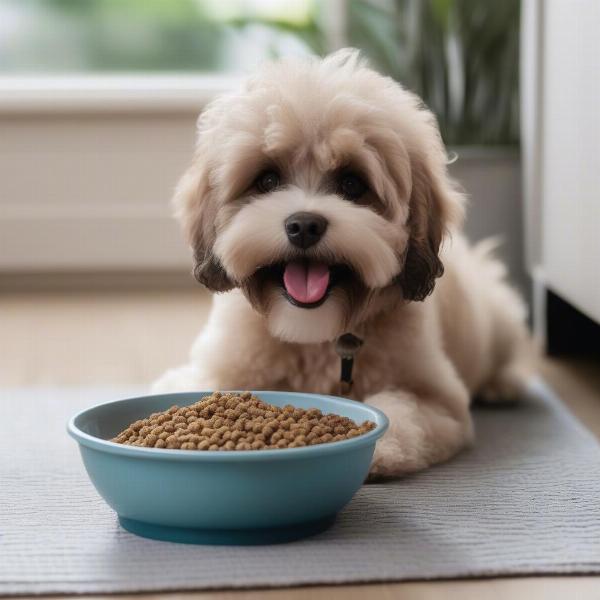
x=524 y=500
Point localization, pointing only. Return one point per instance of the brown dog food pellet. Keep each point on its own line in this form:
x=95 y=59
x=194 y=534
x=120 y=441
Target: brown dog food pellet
x=231 y=421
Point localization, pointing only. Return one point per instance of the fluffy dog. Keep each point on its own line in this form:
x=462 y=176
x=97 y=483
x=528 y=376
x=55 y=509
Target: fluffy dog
x=318 y=203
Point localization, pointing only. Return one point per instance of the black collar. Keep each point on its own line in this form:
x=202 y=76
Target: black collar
x=346 y=346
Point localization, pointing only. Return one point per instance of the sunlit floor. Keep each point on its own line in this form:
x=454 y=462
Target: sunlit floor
x=108 y=338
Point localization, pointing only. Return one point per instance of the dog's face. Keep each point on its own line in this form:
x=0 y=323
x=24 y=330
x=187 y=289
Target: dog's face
x=319 y=190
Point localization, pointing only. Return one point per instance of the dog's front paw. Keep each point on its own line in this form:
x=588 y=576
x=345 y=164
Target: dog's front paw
x=182 y=379
x=379 y=469
x=403 y=447
x=391 y=460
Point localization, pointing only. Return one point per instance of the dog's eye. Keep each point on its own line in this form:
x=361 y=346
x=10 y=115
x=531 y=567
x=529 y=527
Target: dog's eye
x=267 y=181
x=351 y=186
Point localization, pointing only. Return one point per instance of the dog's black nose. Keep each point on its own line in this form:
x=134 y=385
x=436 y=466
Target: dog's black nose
x=305 y=229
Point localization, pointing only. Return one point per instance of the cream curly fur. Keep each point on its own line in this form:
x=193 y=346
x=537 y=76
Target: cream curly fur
x=425 y=352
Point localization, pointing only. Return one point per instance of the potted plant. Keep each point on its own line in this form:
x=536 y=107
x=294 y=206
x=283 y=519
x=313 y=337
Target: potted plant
x=462 y=58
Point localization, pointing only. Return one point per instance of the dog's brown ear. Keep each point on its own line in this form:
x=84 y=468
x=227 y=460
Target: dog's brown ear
x=434 y=204
x=196 y=211
x=210 y=273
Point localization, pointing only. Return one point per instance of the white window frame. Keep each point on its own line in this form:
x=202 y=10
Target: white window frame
x=108 y=93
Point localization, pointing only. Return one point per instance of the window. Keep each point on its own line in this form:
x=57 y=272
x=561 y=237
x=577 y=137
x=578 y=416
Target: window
x=461 y=56
x=99 y=36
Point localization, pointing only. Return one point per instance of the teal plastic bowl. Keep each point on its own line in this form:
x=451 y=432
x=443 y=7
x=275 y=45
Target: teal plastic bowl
x=226 y=497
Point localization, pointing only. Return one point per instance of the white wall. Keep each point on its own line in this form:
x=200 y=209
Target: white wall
x=87 y=168
x=570 y=153
x=91 y=191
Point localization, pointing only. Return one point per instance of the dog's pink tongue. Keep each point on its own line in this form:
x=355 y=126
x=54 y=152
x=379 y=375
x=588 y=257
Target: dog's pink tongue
x=306 y=282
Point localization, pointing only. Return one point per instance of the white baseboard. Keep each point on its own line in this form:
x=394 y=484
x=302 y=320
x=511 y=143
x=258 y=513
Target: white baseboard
x=98 y=281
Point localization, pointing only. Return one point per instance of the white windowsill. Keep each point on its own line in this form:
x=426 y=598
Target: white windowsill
x=111 y=93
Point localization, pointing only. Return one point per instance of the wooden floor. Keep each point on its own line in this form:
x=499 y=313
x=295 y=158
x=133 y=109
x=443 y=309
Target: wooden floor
x=102 y=337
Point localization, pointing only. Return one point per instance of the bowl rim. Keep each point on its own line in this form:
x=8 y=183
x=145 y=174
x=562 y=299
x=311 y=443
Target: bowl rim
x=96 y=443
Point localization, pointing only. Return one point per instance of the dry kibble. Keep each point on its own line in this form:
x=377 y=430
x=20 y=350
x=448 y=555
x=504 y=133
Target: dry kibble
x=232 y=421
